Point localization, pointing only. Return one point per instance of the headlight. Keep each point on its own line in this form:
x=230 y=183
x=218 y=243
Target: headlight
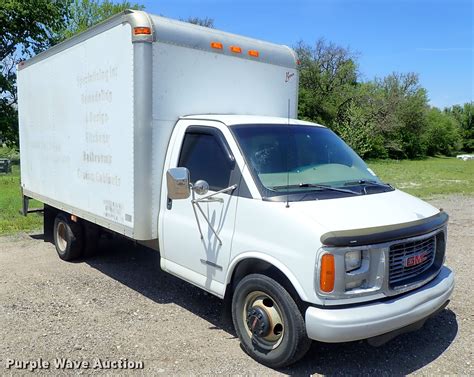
x=346 y=272
x=353 y=260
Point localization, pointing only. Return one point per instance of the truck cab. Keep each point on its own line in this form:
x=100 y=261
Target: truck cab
x=285 y=218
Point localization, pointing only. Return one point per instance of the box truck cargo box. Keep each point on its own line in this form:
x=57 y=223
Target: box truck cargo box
x=97 y=111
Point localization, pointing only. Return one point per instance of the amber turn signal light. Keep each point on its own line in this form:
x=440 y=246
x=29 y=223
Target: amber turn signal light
x=216 y=45
x=141 y=31
x=254 y=53
x=235 y=49
x=327 y=273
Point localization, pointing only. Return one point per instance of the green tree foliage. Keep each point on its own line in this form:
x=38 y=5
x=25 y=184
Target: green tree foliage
x=403 y=114
x=356 y=128
x=443 y=133
x=359 y=119
x=29 y=26
x=82 y=14
x=464 y=116
x=384 y=117
x=328 y=76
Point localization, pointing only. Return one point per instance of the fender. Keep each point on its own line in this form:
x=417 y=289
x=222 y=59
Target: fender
x=271 y=260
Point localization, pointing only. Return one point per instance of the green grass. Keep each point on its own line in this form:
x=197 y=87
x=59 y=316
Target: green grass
x=428 y=178
x=423 y=178
x=10 y=203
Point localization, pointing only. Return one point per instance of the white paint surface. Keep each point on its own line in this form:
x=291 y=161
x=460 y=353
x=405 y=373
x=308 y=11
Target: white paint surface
x=76 y=126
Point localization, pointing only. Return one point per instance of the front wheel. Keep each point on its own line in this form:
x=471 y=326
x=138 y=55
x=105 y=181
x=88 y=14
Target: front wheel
x=268 y=322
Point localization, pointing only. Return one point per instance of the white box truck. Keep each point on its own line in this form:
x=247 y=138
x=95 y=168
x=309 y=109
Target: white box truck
x=184 y=139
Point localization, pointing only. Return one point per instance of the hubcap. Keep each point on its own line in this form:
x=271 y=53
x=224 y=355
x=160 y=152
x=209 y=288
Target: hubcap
x=258 y=321
x=263 y=319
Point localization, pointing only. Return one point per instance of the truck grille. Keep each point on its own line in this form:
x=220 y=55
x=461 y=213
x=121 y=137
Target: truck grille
x=410 y=259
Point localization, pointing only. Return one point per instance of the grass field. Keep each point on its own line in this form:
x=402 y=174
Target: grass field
x=428 y=178
x=10 y=203
x=423 y=178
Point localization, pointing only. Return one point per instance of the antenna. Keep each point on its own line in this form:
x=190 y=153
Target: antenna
x=287 y=160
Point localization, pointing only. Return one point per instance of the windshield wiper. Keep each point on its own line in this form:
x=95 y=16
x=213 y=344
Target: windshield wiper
x=320 y=187
x=368 y=182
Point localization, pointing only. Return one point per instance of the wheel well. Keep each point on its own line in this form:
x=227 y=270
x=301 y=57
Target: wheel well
x=259 y=266
x=49 y=215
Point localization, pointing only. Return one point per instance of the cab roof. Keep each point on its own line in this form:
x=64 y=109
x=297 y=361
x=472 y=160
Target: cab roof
x=231 y=120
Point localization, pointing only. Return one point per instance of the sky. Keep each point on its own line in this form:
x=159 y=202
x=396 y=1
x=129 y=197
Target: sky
x=433 y=38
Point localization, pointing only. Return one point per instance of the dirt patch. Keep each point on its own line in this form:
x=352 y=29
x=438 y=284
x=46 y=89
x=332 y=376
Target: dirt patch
x=120 y=307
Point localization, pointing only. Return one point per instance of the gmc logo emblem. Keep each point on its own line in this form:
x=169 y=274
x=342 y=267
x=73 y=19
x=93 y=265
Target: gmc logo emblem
x=415 y=260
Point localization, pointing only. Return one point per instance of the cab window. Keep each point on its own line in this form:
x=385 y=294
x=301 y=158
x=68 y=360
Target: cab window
x=204 y=156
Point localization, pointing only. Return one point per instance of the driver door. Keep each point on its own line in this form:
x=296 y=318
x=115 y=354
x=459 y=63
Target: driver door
x=202 y=257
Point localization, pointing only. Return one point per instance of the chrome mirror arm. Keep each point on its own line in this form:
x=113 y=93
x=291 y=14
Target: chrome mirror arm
x=208 y=199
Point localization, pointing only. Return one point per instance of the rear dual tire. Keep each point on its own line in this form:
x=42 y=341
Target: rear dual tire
x=68 y=237
x=74 y=239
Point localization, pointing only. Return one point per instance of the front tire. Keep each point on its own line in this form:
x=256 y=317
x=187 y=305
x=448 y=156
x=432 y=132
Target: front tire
x=268 y=322
x=68 y=237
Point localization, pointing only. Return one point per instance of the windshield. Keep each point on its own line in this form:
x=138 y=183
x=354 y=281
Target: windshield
x=298 y=158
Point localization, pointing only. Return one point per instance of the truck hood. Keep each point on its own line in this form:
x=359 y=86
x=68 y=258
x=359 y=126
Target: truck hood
x=366 y=211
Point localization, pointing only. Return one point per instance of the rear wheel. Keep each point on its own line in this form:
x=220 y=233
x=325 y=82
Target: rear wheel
x=268 y=322
x=68 y=237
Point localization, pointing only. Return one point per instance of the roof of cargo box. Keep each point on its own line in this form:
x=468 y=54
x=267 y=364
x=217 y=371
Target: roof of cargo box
x=151 y=28
x=207 y=39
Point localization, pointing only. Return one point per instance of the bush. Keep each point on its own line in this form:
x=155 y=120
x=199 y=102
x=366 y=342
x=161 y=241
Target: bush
x=10 y=153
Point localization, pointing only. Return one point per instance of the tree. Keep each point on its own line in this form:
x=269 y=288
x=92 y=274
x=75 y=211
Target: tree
x=328 y=76
x=26 y=28
x=407 y=102
x=29 y=26
x=358 y=121
x=464 y=116
x=442 y=135
x=397 y=104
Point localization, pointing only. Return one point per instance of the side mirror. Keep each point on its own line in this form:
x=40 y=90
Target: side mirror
x=201 y=187
x=177 y=182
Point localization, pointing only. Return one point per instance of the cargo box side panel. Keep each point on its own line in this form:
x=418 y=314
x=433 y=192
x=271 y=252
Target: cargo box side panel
x=76 y=129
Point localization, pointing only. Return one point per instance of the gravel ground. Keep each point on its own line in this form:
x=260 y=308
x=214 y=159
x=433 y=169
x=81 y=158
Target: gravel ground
x=120 y=305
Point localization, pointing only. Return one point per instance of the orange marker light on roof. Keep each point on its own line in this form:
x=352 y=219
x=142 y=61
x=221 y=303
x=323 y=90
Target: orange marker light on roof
x=254 y=53
x=235 y=49
x=217 y=45
x=141 y=31
x=327 y=273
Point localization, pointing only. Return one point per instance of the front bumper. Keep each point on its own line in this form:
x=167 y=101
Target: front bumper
x=373 y=319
